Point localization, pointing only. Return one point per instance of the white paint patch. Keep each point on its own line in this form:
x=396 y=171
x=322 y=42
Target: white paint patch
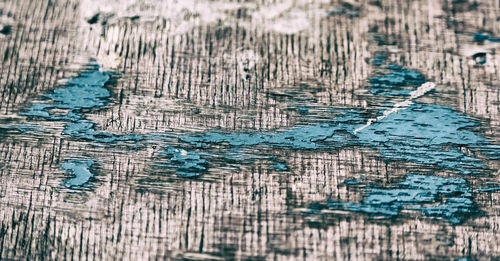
x=423 y=89
x=420 y=91
x=180 y=16
x=288 y=16
x=291 y=24
x=111 y=61
x=247 y=60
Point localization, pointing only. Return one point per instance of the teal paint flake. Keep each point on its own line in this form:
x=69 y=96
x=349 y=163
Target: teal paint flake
x=85 y=130
x=85 y=91
x=417 y=192
x=399 y=82
x=425 y=134
x=188 y=164
x=80 y=169
x=280 y=166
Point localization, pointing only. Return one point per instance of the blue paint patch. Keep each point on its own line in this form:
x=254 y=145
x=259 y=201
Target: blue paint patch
x=318 y=136
x=492 y=150
x=28 y=127
x=85 y=130
x=480 y=58
x=68 y=104
x=188 y=164
x=399 y=82
x=379 y=60
x=352 y=182
x=83 y=92
x=454 y=209
x=303 y=110
x=488 y=189
x=417 y=192
x=280 y=166
x=481 y=37
x=425 y=134
x=422 y=134
x=81 y=170
x=298 y=138
x=86 y=91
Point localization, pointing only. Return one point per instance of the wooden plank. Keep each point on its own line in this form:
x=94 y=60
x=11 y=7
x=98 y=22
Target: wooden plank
x=198 y=66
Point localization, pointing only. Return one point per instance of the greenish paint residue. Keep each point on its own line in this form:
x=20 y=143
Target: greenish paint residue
x=424 y=134
x=81 y=171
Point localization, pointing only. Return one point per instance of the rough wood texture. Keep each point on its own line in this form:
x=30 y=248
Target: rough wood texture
x=235 y=67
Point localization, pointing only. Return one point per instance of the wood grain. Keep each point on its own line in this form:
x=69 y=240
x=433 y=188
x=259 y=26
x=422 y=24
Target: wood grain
x=208 y=78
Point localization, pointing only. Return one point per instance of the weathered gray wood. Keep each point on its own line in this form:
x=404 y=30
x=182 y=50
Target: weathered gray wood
x=193 y=80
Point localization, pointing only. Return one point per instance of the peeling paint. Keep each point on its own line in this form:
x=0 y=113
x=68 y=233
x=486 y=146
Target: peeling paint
x=188 y=164
x=85 y=130
x=417 y=192
x=425 y=134
x=280 y=166
x=80 y=169
x=85 y=91
x=399 y=82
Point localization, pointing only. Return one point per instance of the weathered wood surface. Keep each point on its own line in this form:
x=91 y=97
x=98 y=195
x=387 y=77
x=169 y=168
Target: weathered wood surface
x=182 y=70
